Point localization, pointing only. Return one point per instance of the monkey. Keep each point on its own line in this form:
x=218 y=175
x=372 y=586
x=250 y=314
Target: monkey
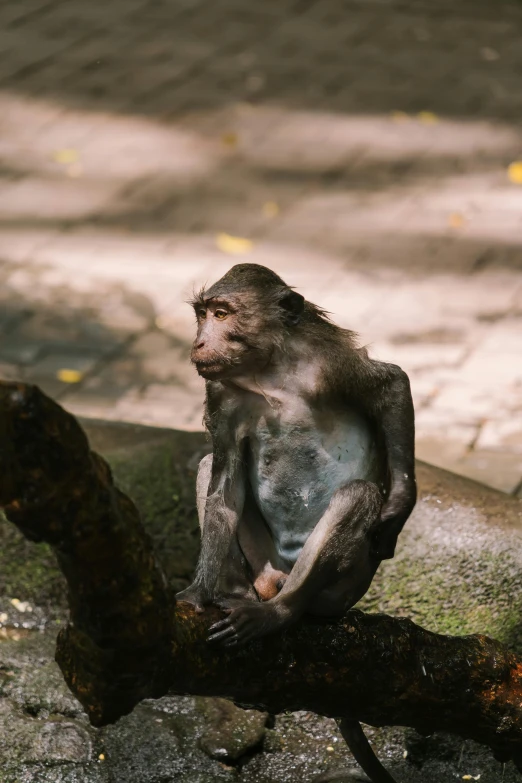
x=312 y=475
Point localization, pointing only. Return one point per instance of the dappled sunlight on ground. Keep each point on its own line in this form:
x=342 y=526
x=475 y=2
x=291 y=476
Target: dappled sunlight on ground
x=341 y=182
x=392 y=206
x=79 y=164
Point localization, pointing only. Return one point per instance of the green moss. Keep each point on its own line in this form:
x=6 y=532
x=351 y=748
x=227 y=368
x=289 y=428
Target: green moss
x=455 y=595
x=161 y=480
x=28 y=571
x=160 y=477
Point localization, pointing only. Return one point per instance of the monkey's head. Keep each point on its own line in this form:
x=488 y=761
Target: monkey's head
x=241 y=320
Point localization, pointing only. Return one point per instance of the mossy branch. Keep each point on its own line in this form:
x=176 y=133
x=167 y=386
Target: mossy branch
x=128 y=640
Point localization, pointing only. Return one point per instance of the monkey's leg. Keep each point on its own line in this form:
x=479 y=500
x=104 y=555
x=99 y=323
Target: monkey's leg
x=269 y=573
x=333 y=571
x=335 y=567
x=202 y=485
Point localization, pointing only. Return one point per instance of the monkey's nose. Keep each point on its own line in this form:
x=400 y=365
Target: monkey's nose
x=200 y=345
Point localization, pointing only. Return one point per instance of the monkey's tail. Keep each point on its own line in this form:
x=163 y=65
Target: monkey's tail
x=362 y=751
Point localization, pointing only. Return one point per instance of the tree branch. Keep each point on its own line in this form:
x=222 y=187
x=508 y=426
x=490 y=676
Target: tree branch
x=128 y=640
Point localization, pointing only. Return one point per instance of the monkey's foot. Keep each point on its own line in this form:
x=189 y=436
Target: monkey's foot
x=247 y=620
x=195 y=595
x=269 y=583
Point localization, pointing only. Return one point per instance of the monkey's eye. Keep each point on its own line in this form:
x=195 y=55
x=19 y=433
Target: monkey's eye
x=201 y=312
x=221 y=314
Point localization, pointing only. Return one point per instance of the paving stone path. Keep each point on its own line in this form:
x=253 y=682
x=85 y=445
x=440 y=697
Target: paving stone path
x=362 y=148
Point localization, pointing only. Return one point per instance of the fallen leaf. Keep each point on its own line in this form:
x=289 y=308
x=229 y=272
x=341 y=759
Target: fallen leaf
x=515 y=172
x=226 y=767
x=3 y=617
x=66 y=156
x=456 y=220
x=234 y=246
x=230 y=140
x=102 y=757
x=329 y=749
x=13 y=634
x=69 y=376
x=427 y=117
x=270 y=209
x=21 y=606
x=400 y=116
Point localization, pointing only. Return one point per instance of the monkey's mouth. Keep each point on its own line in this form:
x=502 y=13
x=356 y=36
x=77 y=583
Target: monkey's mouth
x=210 y=369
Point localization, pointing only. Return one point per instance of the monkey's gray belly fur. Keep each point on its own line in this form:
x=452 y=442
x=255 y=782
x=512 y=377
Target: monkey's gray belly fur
x=295 y=469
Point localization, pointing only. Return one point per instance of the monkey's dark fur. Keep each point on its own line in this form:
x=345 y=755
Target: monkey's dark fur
x=312 y=473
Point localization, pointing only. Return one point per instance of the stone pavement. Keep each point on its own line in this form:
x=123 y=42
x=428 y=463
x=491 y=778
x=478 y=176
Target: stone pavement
x=360 y=148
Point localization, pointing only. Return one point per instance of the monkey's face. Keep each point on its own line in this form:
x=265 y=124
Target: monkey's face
x=231 y=339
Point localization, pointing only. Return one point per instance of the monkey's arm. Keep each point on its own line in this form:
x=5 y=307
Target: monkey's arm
x=225 y=499
x=224 y=507
x=223 y=511
x=224 y=502
x=397 y=423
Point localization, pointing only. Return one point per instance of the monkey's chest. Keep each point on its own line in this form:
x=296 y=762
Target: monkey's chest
x=295 y=469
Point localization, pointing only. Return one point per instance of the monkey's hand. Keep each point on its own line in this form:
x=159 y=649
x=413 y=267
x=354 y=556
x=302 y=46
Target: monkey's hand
x=247 y=620
x=196 y=595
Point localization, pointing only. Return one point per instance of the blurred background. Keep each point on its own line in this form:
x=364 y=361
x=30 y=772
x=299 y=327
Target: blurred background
x=369 y=151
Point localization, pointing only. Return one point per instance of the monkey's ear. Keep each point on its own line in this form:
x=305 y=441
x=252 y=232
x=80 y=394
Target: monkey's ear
x=293 y=305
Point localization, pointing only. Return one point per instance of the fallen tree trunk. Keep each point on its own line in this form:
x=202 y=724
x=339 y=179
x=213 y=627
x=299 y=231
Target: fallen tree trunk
x=128 y=640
